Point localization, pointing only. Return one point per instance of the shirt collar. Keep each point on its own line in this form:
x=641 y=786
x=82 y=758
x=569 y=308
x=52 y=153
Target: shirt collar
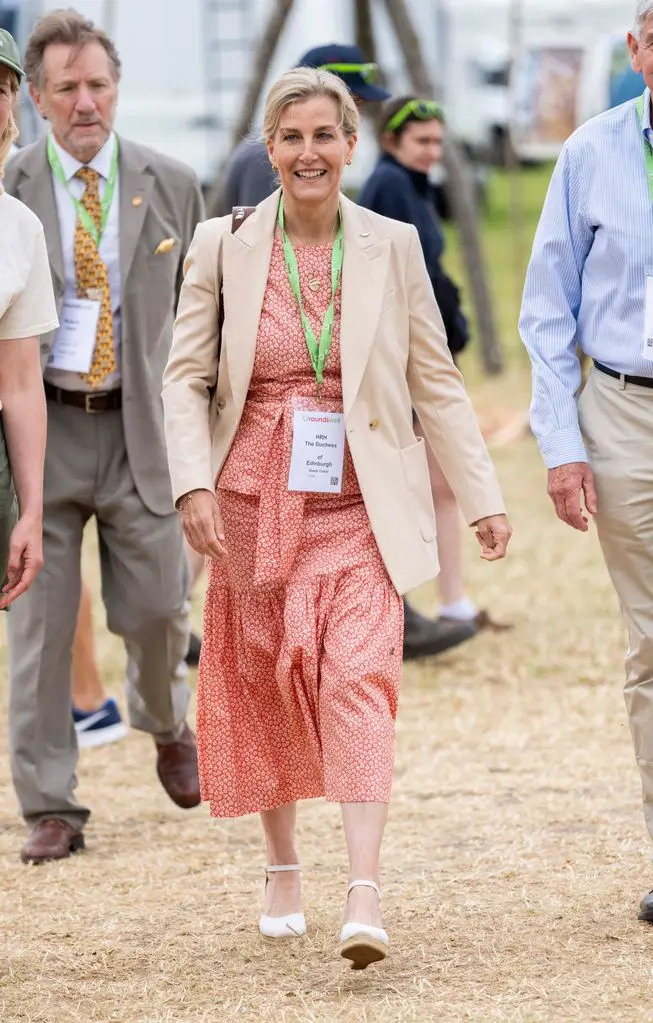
x=101 y=162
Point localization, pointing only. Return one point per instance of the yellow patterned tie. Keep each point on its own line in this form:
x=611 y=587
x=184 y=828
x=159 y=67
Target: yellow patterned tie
x=93 y=280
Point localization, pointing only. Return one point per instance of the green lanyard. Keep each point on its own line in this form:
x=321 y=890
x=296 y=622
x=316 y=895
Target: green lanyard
x=318 y=351
x=107 y=198
x=648 y=154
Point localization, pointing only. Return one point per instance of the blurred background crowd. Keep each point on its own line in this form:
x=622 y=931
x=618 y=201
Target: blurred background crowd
x=524 y=71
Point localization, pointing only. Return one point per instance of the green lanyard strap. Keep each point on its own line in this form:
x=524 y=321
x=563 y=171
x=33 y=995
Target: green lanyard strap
x=648 y=154
x=107 y=199
x=318 y=350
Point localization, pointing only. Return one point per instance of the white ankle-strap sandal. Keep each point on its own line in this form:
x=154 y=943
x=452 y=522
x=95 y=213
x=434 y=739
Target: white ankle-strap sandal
x=293 y=925
x=362 y=943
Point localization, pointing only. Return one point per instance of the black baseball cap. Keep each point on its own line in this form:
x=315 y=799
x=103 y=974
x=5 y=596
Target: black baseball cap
x=348 y=63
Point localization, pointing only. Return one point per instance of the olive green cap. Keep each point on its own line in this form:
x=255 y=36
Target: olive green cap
x=9 y=53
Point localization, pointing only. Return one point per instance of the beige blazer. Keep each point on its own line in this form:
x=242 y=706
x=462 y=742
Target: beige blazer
x=394 y=357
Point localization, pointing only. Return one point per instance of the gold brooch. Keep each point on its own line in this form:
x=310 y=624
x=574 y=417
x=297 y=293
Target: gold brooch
x=137 y=200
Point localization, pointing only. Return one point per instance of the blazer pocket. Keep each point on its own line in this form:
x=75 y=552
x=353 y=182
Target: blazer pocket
x=167 y=245
x=416 y=473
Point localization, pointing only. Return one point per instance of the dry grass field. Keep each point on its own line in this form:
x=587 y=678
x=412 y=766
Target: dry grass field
x=514 y=861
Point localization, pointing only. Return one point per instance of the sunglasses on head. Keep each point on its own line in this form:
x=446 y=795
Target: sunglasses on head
x=423 y=109
x=368 y=72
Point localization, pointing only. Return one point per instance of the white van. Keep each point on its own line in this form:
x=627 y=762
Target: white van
x=556 y=42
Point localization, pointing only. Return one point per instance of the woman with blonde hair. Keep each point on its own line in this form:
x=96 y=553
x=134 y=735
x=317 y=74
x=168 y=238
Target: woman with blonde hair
x=303 y=340
x=27 y=310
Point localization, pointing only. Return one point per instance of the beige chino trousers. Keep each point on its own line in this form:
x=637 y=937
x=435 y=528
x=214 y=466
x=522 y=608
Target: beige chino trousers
x=617 y=424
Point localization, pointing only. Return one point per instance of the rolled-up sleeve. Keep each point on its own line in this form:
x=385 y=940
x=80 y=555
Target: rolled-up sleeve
x=32 y=311
x=548 y=320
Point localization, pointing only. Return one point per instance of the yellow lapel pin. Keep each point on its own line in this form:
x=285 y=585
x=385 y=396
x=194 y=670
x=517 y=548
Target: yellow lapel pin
x=165 y=246
x=137 y=200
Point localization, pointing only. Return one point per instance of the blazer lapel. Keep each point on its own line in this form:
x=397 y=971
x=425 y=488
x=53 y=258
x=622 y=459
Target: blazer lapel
x=136 y=183
x=364 y=273
x=36 y=190
x=245 y=267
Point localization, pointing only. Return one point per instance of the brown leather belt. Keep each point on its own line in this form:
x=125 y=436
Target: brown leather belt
x=104 y=401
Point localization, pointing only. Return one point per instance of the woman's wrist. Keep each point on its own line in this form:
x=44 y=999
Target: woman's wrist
x=188 y=496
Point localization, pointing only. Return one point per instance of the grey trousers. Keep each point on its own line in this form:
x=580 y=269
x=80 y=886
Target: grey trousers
x=145 y=579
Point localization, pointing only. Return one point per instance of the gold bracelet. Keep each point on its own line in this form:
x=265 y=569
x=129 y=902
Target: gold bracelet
x=184 y=499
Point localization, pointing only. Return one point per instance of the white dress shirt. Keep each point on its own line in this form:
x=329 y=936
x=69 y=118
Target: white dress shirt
x=109 y=251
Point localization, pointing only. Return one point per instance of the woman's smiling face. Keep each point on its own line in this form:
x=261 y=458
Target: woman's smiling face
x=310 y=149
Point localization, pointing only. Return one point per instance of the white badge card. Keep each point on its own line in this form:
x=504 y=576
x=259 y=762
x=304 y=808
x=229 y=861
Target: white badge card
x=318 y=451
x=647 y=349
x=74 y=344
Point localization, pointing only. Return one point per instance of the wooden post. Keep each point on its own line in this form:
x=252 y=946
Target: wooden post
x=511 y=160
x=364 y=29
x=461 y=185
x=261 y=61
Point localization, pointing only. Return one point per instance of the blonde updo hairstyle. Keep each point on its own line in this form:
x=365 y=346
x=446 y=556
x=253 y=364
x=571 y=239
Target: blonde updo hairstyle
x=301 y=84
x=10 y=134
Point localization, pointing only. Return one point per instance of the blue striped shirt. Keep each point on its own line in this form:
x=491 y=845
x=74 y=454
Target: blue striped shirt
x=586 y=279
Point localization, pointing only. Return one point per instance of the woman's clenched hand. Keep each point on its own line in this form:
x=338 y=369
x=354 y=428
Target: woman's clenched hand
x=202 y=523
x=493 y=533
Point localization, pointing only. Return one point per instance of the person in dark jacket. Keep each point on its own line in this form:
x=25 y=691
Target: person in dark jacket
x=411 y=137
x=249 y=178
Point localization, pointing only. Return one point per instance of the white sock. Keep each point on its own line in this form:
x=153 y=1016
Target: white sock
x=463 y=610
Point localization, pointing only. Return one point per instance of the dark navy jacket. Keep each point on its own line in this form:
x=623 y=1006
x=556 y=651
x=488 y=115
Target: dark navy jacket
x=403 y=194
x=397 y=192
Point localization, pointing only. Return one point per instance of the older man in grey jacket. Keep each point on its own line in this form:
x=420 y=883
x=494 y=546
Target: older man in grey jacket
x=118 y=219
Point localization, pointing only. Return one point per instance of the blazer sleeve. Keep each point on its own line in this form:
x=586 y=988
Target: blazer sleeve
x=441 y=402
x=191 y=373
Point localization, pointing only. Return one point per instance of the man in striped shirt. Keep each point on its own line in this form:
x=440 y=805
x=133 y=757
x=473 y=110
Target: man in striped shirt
x=590 y=286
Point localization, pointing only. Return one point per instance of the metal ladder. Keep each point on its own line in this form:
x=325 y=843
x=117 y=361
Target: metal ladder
x=229 y=34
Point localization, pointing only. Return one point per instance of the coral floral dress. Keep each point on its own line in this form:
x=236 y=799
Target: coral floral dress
x=302 y=650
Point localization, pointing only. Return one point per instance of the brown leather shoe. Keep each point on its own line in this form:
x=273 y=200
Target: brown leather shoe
x=52 y=839
x=176 y=766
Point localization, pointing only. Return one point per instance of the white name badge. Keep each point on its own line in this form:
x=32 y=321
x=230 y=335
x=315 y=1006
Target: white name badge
x=75 y=341
x=318 y=451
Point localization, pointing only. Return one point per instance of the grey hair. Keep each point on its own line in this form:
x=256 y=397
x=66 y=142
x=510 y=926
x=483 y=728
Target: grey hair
x=642 y=14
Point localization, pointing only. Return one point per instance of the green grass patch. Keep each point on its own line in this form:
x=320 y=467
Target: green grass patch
x=508 y=223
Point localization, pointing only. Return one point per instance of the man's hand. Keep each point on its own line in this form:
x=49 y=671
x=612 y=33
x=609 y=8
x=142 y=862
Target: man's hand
x=493 y=533
x=202 y=522
x=25 y=558
x=564 y=487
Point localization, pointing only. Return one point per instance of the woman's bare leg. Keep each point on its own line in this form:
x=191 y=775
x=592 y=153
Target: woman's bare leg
x=449 y=533
x=283 y=891
x=364 y=826
x=88 y=690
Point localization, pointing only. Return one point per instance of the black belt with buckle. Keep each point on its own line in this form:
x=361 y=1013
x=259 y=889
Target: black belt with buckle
x=640 y=381
x=89 y=401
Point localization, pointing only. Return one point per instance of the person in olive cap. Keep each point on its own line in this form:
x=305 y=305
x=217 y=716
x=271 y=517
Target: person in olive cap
x=248 y=177
x=27 y=310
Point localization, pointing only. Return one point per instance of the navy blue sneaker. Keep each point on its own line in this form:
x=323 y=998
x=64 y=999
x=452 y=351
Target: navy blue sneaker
x=99 y=727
